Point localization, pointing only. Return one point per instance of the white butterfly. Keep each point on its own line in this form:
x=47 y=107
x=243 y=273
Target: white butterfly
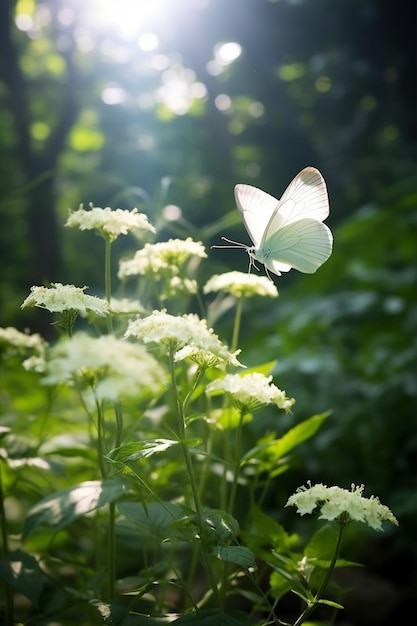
x=288 y=233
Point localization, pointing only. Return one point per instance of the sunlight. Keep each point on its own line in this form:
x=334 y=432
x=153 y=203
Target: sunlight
x=127 y=18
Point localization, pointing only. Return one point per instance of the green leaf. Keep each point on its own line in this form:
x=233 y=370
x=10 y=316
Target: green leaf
x=280 y=584
x=155 y=522
x=141 y=449
x=270 y=531
x=144 y=449
x=239 y=555
x=323 y=543
x=331 y=603
x=21 y=571
x=213 y=617
x=278 y=448
x=63 y=507
x=222 y=526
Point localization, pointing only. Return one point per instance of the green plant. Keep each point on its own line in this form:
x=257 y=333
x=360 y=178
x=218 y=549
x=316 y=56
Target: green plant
x=134 y=494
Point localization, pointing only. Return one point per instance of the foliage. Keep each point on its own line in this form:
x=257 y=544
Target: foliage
x=121 y=497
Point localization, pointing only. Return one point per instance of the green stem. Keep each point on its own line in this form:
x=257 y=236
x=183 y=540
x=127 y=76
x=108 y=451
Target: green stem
x=190 y=469
x=238 y=449
x=313 y=603
x=112 y=550
x=107 y=280
x=236 y=325
x=100 y=439
x=3 y=523
x=118 y=440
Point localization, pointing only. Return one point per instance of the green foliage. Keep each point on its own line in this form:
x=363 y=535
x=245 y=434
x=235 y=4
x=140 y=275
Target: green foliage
x=141 y=493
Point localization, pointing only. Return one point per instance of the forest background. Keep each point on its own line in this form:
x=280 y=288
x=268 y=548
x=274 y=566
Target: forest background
x=166 y=110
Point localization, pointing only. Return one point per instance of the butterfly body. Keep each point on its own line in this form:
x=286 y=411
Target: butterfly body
x=288 y=233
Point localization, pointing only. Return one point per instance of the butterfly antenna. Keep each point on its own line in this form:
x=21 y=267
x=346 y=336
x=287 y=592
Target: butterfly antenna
x=234 y=244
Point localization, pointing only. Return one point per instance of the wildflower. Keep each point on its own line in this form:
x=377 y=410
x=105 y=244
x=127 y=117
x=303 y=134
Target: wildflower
x=187 y=335
x=337 y=503
x=113 y=367
x=241 y=285
x=109 y=223
x=166 y=256
x=250 y=391
x=126 y=306
x=60 y=298
x=15 y=343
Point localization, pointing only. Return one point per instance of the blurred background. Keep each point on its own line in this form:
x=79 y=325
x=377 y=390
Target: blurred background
x=165 y=105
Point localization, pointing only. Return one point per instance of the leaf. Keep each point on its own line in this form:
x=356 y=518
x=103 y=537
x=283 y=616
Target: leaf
x=22 y=572
x=331 y=603
x=222 y=526
x=144 y=449
x=280 y=584
x=278 y=448
x=272 y=533
x=141 y=449
x=322 y=544
x=63 y=507
x=239 y=555
x=213 y=617
x=155 y=522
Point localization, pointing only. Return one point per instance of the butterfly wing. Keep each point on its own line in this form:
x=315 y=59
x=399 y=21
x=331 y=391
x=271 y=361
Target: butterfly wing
x=288 y=233
x=304 y=245
x=256 y=208
x=305 y=197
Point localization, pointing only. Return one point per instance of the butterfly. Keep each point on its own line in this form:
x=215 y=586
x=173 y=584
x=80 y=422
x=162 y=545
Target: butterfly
x=287 y=233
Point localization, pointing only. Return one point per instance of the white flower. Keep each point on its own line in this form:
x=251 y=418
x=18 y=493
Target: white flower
x=250 y=391
x=113 y=367
x=109 y=223
x=14 y=343
x=126 y=306
x=188 y=335
x=241 y=285
x=59 y=298
x=336 y=502
x=162 y=257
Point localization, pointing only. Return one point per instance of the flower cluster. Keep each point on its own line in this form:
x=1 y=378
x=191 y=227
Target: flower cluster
x=114 y=368
x=15 y=343
x=187 y=335
x=336 y=502
x=241 y=285
x=162 y=256
x=109 y=223
x=126 y=306
x=59 y=298
x=250 y=391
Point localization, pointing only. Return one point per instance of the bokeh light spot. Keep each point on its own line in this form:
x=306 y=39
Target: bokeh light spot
x=148 y=42
x=172 y=212
x=223 y=102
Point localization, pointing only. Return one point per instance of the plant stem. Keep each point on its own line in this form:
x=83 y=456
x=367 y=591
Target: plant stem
x=238 y=449
x=9 y=590
x=313 y=603
x=107 y=280
x=190 y=469
x=236 y=325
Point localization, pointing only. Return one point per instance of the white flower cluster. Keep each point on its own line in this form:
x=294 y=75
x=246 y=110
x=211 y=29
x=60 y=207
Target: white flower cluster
x=251 y=391
x=113 y=367
x=241 y=285
x=162 y=256
x=15 y=343
x=108 y=222
x=188 y=335
x=335 y=501
x=59 y=297
x=126 y=306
